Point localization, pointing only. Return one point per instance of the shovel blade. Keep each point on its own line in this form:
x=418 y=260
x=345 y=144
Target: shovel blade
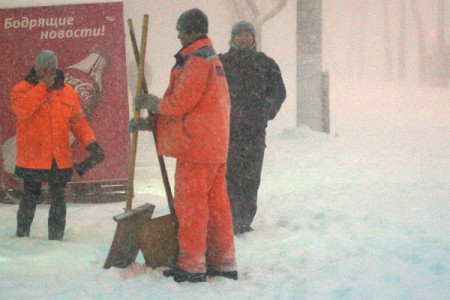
x=158 y=242
x=125 y=245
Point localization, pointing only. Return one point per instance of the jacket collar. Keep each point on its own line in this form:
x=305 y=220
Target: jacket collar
x=189 y=49
x=59 y=79
x=252 y=47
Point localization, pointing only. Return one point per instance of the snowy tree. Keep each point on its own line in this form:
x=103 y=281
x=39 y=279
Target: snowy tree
x=420 y=42
x=442 y=56
x=363 y=12
x=249 y=10
x=402 y=41
x=352 y=34
x=387 y=39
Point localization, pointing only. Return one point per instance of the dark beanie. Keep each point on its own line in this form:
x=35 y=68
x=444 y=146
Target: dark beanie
x=242 y=26
x=193 y=21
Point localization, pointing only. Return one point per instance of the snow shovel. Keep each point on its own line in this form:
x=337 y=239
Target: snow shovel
x=125 y=245
x=158 y=237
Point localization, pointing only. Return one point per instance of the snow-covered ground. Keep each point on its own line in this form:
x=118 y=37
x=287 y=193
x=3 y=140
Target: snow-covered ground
x=361 y=213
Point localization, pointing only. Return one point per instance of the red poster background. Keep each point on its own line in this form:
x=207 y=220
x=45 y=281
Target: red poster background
x=73 y=32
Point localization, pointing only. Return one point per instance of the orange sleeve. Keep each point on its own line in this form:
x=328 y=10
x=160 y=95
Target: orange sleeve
x=78 y=123
x=26 y=99
x=188 y=90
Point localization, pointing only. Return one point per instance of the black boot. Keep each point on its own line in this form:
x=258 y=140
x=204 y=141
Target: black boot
x=24 y=220
x=227 y=274
x=21 y=232
x=182 y=276
x=243 y=229
x=56 y=229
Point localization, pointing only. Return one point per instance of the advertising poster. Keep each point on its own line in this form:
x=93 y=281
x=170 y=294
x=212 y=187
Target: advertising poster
x=89 y=40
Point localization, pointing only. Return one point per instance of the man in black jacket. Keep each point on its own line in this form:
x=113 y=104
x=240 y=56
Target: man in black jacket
x=257 y=92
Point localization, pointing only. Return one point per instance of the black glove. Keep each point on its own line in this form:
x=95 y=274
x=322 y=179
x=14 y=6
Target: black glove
x=140 y=124
x=79 y=169
x=272 y=109
x=92 y=160
x=146 y=101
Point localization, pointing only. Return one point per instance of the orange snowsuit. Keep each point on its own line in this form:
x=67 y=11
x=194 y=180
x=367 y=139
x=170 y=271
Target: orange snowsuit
x=193 y=126
x=44 y=119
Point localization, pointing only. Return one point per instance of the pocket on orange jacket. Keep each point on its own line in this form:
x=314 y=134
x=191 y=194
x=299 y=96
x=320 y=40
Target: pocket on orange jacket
x=173 y=139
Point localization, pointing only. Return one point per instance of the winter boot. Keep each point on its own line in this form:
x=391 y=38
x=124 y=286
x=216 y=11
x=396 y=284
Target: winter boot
x=56 y=236
x=243 y=229
x=182 y=276
x=227 y=274
x=56 y=229
x=24 y=220
x=22 y=232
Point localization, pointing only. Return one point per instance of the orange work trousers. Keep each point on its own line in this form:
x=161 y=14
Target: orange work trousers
x=205 y=233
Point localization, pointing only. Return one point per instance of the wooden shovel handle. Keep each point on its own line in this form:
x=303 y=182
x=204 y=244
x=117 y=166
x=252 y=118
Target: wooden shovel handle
x=162 y=164
x=136 y=115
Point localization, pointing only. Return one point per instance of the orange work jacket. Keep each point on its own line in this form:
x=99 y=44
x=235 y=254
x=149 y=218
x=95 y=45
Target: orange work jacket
x=43 y=121
x=194 y=120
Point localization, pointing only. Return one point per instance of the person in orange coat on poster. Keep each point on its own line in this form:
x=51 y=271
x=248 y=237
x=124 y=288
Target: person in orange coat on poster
x=46 y=110
x=193 y=127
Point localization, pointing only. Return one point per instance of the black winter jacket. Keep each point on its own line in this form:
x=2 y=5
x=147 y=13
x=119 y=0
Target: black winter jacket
x=256 y=89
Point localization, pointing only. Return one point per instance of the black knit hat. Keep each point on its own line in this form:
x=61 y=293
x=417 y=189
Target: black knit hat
x=193 y=21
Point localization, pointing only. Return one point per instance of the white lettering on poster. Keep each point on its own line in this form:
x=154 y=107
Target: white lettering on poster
x=30 y=24
x=26 y=22
x=77 y=33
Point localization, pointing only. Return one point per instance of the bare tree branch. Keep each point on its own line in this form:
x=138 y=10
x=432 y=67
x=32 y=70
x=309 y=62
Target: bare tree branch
x=238 y=9
x=253 y=9
x=387 y=39
x=402 y=41
x=271 y=13
x=249 y=11
x=420 y=41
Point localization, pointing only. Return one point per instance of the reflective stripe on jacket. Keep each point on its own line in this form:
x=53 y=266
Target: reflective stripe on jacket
x=193 y=124
x=44 y=119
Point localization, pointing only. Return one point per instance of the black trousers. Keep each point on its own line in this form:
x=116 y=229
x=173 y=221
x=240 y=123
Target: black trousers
x=57 y=212
x=244 y=167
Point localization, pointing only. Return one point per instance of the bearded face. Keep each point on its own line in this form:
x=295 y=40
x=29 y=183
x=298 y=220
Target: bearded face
x=243 y=40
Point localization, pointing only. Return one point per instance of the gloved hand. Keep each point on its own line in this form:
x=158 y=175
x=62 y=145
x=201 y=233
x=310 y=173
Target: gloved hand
x=79 y=169
x=48 y=77
x=272 y=109
x=146 y=101
x=141 y=124
x=92 y=160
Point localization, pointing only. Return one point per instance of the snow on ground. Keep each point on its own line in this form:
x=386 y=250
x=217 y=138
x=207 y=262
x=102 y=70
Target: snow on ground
x=361 y=213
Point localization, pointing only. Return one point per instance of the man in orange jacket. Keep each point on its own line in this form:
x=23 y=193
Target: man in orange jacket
x=193 y=126
x=46 y=109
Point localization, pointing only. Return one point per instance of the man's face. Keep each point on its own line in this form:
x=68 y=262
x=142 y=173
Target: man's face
x=43 y=72
x=187 y=39
x=243 y=40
